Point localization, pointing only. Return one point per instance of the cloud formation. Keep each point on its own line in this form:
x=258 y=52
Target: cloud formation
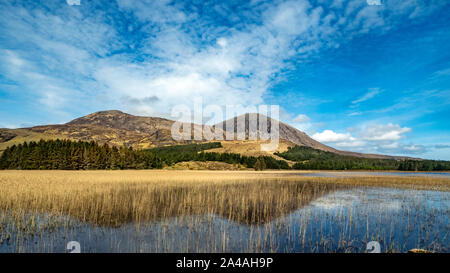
x=388 y=132
x=301 y=118
x=328 y=136
x=145 y=57
x=376 y=138
x=367 y=96
x=73 y=2
x=146 y=48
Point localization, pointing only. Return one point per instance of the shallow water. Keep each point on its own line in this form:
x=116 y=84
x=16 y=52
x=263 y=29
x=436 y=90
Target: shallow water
x=341 y=221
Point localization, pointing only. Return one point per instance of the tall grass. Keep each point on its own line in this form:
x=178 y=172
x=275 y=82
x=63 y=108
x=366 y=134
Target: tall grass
x=114 y=198
x=117 y=197
x=34 y=201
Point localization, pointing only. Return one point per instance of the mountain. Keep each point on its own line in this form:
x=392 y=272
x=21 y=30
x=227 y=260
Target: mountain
x=294 y=136
x=111 y=127
x=286 y=132
x=118 y=128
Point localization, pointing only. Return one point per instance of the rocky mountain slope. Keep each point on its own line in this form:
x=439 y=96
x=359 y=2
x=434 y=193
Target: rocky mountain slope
x=118 y=128
x=289 y=134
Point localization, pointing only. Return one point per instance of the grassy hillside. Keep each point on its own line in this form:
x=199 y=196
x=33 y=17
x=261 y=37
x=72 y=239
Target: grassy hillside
x=252 y=148
x=19 y=136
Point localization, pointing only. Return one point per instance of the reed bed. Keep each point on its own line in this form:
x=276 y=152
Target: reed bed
x=114 y=198
x=33 y=202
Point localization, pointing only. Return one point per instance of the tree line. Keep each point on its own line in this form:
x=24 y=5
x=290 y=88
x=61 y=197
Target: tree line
x=82 y=155
x=307 y=158
x=75 y=155
x=196 y=152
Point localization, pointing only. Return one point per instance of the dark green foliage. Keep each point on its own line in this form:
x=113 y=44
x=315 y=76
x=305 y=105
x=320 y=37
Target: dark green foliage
x=79 y=155
x=301 y=153
x=260 y=165
x=186 y=148
x=312 y=159
x=179 y=153
x=195 y=152
x=74 y=155
x=424 y=165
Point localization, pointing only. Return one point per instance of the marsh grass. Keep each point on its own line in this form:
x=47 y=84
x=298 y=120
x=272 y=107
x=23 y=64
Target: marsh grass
x=36 y=202
x=103 y=199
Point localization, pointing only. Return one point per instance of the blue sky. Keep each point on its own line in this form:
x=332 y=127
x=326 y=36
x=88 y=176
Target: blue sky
x=368 y=78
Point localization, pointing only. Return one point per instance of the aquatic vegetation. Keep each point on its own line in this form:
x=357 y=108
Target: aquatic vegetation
x=176 y=211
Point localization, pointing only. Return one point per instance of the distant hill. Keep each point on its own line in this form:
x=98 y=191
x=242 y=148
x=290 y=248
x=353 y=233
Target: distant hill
x=112 y=127
x=117 y=129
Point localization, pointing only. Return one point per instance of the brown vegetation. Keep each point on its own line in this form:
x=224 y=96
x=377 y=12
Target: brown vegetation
x=207 y=165
x=116 y=197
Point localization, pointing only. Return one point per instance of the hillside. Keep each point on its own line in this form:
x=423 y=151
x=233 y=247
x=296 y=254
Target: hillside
x=112 y=127
x=118 y=129
x=286 y=132
x=293 y=137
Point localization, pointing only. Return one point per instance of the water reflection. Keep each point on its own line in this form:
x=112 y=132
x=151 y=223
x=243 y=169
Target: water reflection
x=307 y=218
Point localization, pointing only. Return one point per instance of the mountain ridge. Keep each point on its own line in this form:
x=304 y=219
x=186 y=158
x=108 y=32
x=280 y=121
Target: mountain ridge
x=117 y=128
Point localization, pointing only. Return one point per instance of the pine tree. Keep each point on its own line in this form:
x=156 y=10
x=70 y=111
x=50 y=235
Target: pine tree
x=260 y=164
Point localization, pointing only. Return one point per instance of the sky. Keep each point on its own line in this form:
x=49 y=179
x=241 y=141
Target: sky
x=360 y=75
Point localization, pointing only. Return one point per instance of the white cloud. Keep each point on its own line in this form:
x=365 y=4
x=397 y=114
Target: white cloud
x=443 y=72
x=354 y=114
x=355 y=145
x=392 y=145
x=175 y=52
x=372 y=138
x=374 y=2
x=440 y=74
x=442 y=146
x=368 y=95
x=301 y=118
x=331 y=136
x=222 y=42
x=236 y=68
x=399 y=148
x=73 y=2
x=413 y=148
x=388 y=132
x=301 y=122
x=161 y=11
